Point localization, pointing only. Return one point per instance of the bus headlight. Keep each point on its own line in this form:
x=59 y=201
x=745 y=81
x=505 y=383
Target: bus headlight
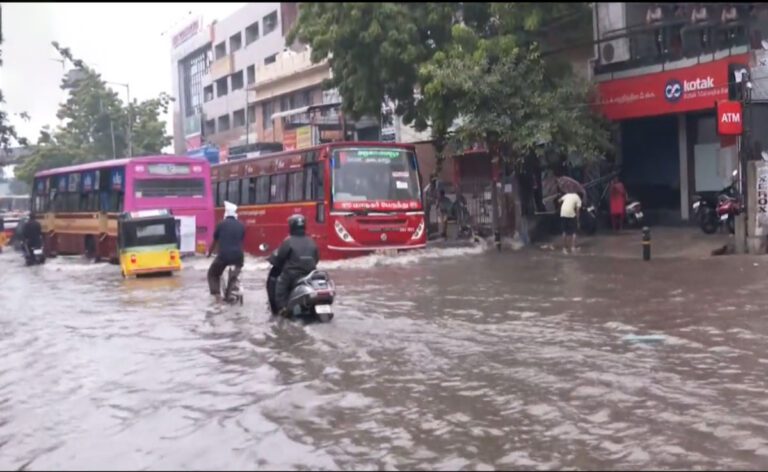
x=342 y=232
x=419 y=231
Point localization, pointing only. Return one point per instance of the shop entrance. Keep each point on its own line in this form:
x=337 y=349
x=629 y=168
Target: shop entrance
x=650 y=165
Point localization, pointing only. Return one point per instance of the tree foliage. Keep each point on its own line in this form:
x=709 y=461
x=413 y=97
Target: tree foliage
x=470 y=70
x=95 y=123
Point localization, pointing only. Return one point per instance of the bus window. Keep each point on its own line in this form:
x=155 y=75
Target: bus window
x=246 y=191
x=296 y=186
x=313 y=183
x=262 y=189
x=221 y=193
x=277 y=188
x=233 y=192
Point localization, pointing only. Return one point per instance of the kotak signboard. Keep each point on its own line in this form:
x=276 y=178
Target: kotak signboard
x=729 y=118
x=675 y=91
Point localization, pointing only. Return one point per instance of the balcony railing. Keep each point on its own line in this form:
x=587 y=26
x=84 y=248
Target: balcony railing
x=672 y=41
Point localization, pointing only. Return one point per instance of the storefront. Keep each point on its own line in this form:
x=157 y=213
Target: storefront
x=669 y=147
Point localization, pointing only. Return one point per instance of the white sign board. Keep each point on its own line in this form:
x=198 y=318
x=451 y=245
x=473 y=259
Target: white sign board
x=187 y=234
x=761 y=227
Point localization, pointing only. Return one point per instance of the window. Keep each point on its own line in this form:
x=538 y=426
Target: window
x=238 y=118
x=251 y=114
x=270 y=23
x=221 y=87
x=154 y=188
x=193 y=67
x=277 y=188
x=266 y=114
x=270 y=59
x=251 y=33
x=223 y=123
x=246 y=191
x=237 y=80
x=221 y=50
x=208 y=93
x=221 y=194
x=313 y=183
x=233 y=192
x=262 y=189
x=235 y=42
x=210 y=127
x=250 y=73
x=300 y=99
x=296 y=186
x=285 y=103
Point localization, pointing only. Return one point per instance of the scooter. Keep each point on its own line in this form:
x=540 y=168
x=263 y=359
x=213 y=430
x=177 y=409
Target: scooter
x=311 y=298
x=634 y=212
x=33 y=256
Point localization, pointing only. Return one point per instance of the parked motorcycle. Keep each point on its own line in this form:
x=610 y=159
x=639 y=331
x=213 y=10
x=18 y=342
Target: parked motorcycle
x=722 y=208
x=634 y=213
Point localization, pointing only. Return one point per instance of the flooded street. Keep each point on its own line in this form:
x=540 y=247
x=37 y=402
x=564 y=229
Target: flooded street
x=451 y=359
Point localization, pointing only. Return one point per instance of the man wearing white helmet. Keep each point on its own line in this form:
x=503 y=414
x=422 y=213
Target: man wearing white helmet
x=228 y=237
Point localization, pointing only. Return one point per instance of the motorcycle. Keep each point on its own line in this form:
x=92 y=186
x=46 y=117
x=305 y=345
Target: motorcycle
x=712 y=211
x=33 y=256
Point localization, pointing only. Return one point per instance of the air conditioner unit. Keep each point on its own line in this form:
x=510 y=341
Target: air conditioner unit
x=614 y=51
x=611 y=22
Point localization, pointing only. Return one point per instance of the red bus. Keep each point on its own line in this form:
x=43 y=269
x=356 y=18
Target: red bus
x=357 y=197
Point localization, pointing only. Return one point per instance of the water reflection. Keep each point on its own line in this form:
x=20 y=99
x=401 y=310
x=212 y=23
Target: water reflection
x=440 y=360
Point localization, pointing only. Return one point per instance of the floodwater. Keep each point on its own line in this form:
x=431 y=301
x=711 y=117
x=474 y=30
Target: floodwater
x=448 y=359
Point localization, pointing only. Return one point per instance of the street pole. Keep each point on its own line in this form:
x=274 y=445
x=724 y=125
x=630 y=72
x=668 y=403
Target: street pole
x=743 y=149
x=130 y=120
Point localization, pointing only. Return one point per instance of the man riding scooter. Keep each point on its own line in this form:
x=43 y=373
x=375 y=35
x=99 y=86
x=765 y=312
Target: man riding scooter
x=297 y=257
x=33 y=238
x=228 y=237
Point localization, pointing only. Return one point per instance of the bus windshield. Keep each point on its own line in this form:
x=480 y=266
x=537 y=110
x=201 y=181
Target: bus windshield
x=374 y=175
x=14 y=204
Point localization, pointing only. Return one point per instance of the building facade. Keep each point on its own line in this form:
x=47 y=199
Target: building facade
x=660 y=69
x=213 y=68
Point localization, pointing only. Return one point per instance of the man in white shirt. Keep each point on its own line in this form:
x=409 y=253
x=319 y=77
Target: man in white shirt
x=569 y=213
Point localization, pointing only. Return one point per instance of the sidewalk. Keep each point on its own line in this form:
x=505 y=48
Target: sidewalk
x=666 y=242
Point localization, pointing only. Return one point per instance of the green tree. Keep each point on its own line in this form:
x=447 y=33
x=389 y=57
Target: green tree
x=441 y=61
x=95 y=123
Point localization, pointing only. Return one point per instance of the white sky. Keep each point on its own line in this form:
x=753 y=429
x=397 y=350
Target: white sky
x=125 y=42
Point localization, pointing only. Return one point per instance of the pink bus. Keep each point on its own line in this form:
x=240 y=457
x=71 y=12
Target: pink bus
x=78 y=206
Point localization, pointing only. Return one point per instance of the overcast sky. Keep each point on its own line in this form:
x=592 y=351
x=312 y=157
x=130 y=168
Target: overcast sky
x=125 y=42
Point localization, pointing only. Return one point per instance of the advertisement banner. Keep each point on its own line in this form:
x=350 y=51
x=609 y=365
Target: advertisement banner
x=379 y=205
x=303 y=137
x=116 y=178
x=692 y=88
x=289 y=140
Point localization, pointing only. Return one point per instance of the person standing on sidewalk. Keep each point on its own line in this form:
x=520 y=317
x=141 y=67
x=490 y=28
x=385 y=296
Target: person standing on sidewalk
x=618 y=203
x=569 y=215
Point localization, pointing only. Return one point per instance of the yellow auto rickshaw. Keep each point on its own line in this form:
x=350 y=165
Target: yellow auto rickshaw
x=148 y=243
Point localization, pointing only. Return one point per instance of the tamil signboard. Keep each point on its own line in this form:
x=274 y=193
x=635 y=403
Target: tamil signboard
x=674 y=91
x=303 y=137
x=187 y=32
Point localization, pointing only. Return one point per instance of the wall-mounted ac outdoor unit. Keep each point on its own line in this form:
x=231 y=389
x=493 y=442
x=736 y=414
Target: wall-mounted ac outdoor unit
x=611 y=29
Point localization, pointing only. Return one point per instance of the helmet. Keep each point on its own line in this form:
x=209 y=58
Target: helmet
x=297 y=225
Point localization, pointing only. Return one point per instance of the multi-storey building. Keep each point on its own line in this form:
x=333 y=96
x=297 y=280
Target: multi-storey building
x=214 y=68
x=660 y=69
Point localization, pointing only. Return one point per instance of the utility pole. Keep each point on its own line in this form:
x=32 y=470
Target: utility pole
x=130 y=115
x=745 y=87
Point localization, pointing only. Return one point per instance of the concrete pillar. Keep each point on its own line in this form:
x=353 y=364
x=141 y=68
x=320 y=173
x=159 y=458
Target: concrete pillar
x=682 y=145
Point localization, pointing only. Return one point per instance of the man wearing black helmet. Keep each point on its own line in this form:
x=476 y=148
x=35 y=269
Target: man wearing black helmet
x=294 y=259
